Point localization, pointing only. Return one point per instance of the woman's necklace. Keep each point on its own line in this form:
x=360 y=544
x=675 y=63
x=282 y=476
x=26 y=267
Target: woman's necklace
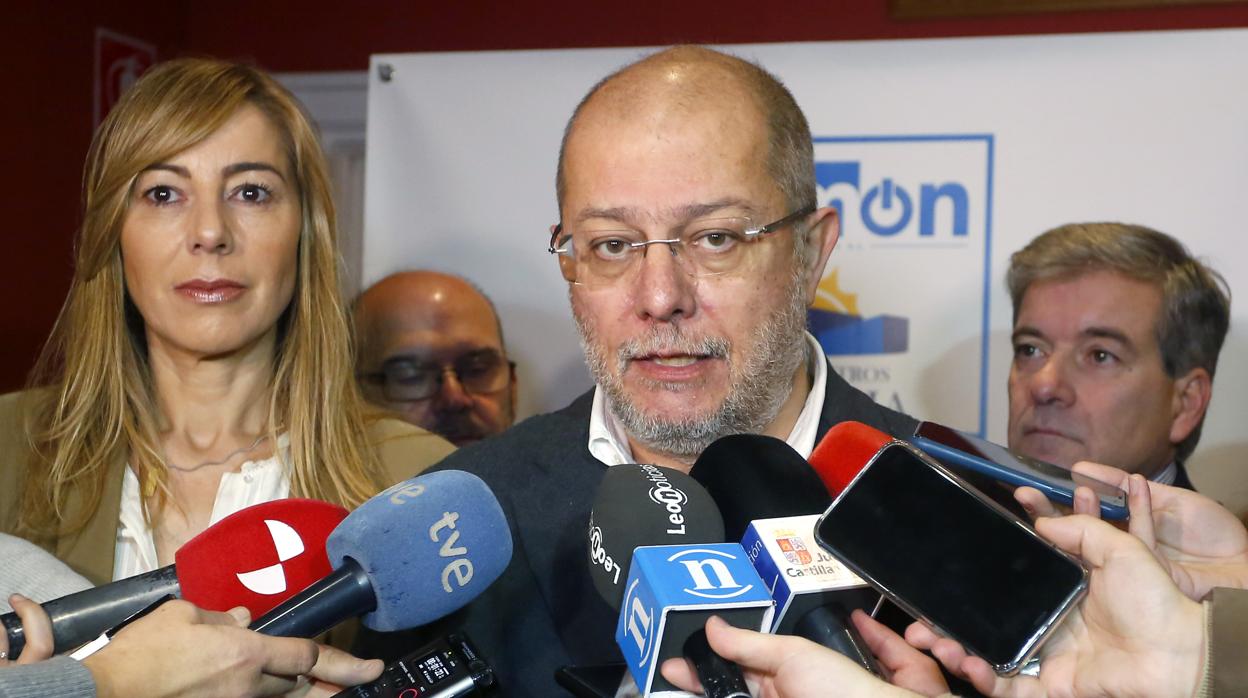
x=223 y=461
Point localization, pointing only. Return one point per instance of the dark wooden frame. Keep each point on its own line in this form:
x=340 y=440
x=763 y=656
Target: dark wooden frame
x=943 y=9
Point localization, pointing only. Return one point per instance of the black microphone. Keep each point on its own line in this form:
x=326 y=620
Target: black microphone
x=769 y=493
x=640 y=505
x=662 y=510
x=720 y=678
x=751 y=476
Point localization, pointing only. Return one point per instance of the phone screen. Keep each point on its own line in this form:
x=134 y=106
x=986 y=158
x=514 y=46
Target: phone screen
x=950 y=557
x=1052 y=474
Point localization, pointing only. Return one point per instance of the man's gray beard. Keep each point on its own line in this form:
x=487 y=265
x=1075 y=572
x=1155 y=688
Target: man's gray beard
x=760 y=386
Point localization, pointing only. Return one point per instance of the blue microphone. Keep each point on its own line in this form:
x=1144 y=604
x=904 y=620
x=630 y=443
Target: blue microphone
x=410 y=555
x=671 y=592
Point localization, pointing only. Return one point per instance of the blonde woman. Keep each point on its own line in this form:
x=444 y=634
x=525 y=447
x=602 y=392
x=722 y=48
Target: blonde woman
x=202 y=361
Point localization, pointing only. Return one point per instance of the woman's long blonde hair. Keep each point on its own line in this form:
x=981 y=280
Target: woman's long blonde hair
x=93 y=401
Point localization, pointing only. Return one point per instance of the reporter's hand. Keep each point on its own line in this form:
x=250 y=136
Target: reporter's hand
x=1134 y=634
x=782 y=666
x=37 y=628
x=1038 y=505
x=180 y=650
x=907 y=667
x=334 y=671
x=1201 y=543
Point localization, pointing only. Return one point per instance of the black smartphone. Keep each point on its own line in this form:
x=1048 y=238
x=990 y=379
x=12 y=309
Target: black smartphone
x=449 y=667
x=960 y=449
x=951 y=557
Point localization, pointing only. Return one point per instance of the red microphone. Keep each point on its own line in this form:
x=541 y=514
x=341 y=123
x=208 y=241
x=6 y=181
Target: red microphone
x=844 y=451
x=259 y=556
x=256 y=557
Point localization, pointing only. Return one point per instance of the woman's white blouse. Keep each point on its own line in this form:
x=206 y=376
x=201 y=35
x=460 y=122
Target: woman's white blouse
x=256 y=482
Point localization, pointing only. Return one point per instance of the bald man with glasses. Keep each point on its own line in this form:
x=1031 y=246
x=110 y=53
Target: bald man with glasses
x=691 y=243
x=431 y=349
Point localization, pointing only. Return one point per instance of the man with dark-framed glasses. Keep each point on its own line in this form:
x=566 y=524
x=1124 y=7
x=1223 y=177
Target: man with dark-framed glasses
x=431 y=349
x=692 y=243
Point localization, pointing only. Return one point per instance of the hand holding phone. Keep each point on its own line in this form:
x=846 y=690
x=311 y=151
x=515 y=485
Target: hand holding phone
x=958 y=450
x=945 y=553
x=1135 y=633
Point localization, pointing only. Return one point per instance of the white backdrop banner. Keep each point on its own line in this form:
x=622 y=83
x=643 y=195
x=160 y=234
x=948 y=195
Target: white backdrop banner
x=943 y=156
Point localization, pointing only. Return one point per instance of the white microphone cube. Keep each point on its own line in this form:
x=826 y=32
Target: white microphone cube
x=800 y=574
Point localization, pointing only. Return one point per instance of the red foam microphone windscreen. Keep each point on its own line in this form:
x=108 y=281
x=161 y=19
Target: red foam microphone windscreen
x=843 y=451
x=259 y=556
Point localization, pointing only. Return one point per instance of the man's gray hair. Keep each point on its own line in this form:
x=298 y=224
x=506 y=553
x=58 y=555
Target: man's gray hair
x=1195 y=300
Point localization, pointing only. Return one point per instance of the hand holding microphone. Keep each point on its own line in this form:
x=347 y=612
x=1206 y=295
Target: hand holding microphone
x=36 y=633
x=770 y=498
x=273 y=549
x=180 y=650
x=782 y=666
x=655 y=554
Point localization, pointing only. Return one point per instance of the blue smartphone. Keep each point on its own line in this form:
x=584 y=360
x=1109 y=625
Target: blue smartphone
x=959 y=449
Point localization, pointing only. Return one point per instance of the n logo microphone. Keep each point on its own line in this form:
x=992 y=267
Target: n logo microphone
x=671 y=592
x=701 y=563
x=638 y=621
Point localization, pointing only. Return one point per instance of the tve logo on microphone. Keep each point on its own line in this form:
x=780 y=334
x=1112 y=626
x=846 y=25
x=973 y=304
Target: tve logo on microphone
x=672 y=590
x=459 y=566
x=271 y=551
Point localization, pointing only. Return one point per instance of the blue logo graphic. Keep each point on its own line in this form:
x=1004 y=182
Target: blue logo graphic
x=840 y=334
x=891 y=193
x=888 y=207
x=834 y=320
x=916 y=239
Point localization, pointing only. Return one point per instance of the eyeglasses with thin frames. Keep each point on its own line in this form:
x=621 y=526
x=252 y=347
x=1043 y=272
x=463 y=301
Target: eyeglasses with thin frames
x=410 y=379
x=707 y=247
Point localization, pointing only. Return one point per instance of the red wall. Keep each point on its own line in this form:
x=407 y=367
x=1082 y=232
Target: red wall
x=46 y=66
x=286 y=36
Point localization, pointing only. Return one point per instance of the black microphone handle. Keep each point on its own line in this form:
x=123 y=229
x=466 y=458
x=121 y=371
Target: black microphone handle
x=81 y=616
x=720 y=678
x=344 y=593
x=831 y=627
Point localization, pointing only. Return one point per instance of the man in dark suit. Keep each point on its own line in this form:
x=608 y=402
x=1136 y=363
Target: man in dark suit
x=1116 y=337
x=691 y=241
